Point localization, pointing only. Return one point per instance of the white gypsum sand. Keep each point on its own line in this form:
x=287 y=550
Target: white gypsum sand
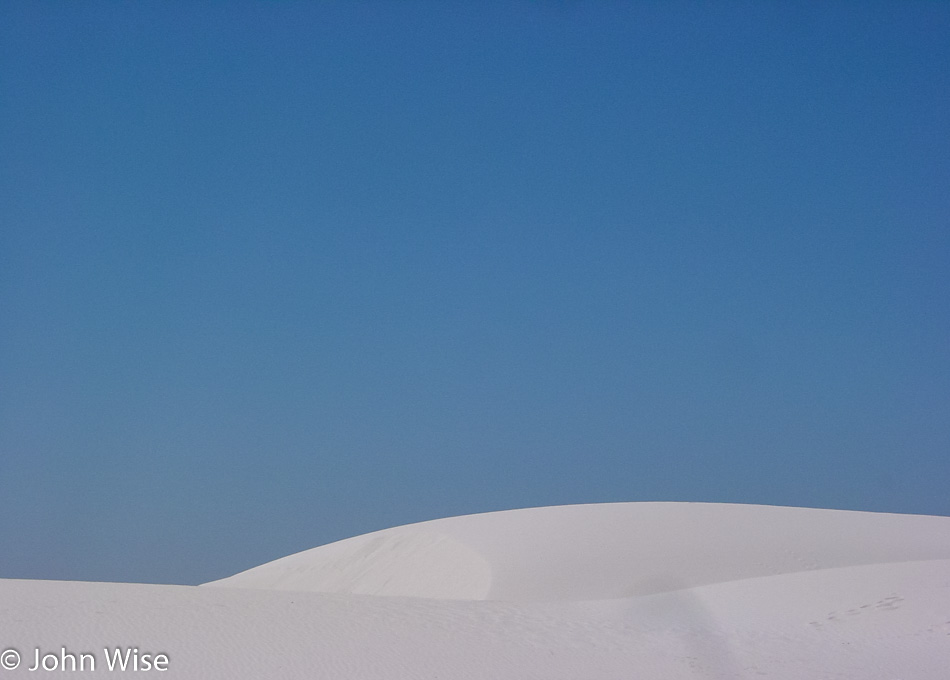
x=628 y=590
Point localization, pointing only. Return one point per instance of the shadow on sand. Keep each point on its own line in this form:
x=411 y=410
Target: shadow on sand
x=670 y=609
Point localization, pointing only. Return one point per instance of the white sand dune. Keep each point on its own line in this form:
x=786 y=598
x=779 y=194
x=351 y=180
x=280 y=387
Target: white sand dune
x=638 y=590
x=588 y=552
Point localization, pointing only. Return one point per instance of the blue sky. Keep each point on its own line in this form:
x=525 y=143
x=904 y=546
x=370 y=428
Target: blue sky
x=275 y=274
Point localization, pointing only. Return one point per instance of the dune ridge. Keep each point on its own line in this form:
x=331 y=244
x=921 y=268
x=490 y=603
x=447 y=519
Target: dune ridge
x=599 y=551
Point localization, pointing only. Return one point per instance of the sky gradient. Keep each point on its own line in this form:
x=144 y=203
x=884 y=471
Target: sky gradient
x=275 y=274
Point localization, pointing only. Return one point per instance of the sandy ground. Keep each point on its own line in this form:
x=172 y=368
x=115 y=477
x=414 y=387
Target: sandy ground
x=632 y=590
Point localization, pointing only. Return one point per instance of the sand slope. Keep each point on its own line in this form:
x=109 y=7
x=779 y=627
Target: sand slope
x=819 y=594
x=586 y=552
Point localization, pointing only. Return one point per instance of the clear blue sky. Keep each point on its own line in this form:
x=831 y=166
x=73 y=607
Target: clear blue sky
x=275 y=274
